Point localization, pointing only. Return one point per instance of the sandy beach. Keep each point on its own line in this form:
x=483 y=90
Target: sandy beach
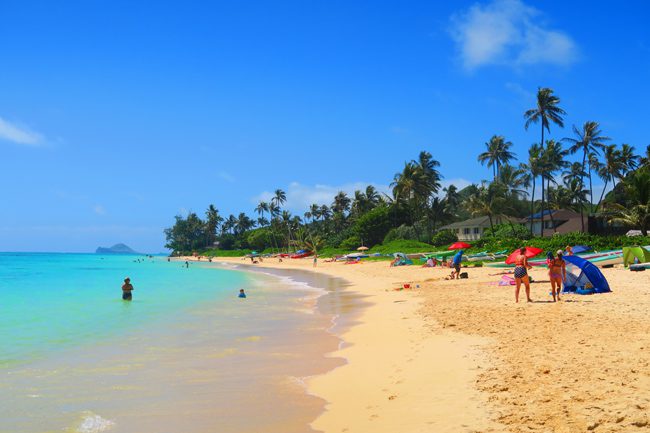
x=461 y=356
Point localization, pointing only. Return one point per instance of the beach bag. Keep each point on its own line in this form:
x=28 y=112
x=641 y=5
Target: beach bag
x=463 y=275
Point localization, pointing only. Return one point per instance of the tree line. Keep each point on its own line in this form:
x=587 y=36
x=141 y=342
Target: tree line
x=417 y=205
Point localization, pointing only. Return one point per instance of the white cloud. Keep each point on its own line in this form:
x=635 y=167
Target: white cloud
x=300 y=197
x=19 y=134
x=509 y=32
x=99 y=209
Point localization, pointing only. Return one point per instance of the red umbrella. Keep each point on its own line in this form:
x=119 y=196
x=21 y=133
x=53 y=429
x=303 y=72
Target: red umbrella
x=530 y=252
x=459 y=246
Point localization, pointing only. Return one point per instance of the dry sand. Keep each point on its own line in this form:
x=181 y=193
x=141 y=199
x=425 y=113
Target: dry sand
x=461 y=356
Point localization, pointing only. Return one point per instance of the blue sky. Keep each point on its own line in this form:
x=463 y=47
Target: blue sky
x=114 y=116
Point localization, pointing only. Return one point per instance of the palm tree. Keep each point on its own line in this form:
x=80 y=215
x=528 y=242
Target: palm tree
x=611 y=169
x=546 y=112
x=487 y=200
x=629 y=159
x=576 y=195
x=497 y=154
x=452 y=198
x=636 y=212
x=372 y=196
x=534 y=166
x=341 y=203
x=553 y=160
x=325 y=212
x=645 y=160
x=589 y=140
x=514 y=180
x=213 y=219
x=576 y=173
x=280 y=197
x=261 y=208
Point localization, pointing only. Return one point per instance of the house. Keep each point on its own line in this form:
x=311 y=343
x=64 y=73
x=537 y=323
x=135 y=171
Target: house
x=560 y=221
x=472 y=229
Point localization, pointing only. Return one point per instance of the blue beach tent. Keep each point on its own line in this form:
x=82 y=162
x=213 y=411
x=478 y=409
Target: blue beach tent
x=577 y=249
x=583 y=277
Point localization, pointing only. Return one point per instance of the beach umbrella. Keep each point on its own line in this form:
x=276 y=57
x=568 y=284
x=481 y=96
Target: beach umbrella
x=530 y=252
x=362 y=248
x=459 y=246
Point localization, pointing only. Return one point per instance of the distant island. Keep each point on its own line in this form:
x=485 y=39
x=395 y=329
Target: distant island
x=116 y=249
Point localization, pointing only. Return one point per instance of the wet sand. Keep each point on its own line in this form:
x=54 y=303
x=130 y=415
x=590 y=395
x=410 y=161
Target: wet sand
x=461 y=356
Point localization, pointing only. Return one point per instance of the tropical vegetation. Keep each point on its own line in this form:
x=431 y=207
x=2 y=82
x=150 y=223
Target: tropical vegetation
x=417 y=205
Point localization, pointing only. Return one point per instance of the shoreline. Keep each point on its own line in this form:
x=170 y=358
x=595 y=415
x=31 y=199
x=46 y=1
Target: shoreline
x=462 y=356
x=397 y=375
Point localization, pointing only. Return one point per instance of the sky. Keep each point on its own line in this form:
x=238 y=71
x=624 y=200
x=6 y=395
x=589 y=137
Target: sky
x=115 y=116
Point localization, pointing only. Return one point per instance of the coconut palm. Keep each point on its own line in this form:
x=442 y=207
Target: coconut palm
x=487 y=201
x=575 y=172
x=497 y=154
x=636 y=212
x=213 y=219
x=515 y=180
x=553 y=160
x=611 y=169
x=545 y=112
x=588 y=140
x=372 y=196
x=261 y=208
x=534 y=166
x=279 y=197
x=645 y=160
x=630 y=161
x=341 y=203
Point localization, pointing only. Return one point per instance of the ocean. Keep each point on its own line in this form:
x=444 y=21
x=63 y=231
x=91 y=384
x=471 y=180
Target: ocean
x=185 y=355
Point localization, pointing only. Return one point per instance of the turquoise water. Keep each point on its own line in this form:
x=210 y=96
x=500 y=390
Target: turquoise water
x=185 y=355
x=53 y=301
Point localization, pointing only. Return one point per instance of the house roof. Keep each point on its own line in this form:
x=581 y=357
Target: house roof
x=479 y=221
x=565 y=214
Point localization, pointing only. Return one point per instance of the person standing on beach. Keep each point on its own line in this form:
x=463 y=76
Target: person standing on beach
x=521 y=274
x=242 y=294
x=458 y=258
x=315 y=260
x=557 y=274
x=127 y=288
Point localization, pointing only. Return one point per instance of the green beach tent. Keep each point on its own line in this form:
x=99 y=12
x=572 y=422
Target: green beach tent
x=630 y=253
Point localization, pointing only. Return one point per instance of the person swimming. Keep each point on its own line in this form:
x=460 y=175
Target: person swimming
x=241 y=294
x=127 y=288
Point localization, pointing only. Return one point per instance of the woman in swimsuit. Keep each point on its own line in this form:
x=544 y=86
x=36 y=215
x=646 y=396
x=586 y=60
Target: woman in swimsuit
x=521 y=274
x=557 y=274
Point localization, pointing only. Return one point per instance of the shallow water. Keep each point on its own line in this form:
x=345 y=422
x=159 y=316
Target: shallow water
x=185 y=355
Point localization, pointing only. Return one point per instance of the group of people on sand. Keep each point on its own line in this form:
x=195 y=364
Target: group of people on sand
x=556 y=272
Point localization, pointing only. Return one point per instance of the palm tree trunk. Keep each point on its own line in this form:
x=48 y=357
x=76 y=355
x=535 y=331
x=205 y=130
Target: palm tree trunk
x=548 y=204
x=541 y=215
x=591 y=193
x=532 y=206
x=582 y=185
x=602 y=195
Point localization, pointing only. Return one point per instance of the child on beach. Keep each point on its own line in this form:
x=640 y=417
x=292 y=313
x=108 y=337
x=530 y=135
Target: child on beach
x=241 y=294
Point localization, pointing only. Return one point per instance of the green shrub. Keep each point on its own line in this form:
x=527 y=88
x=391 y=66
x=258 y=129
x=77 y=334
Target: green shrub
x=225 y=253
x=373 y=226
x=351 y=243
x=515 y=231
x=444 y=238
x=402 y=246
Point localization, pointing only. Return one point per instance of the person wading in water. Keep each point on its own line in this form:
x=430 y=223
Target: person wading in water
x=127 y=288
